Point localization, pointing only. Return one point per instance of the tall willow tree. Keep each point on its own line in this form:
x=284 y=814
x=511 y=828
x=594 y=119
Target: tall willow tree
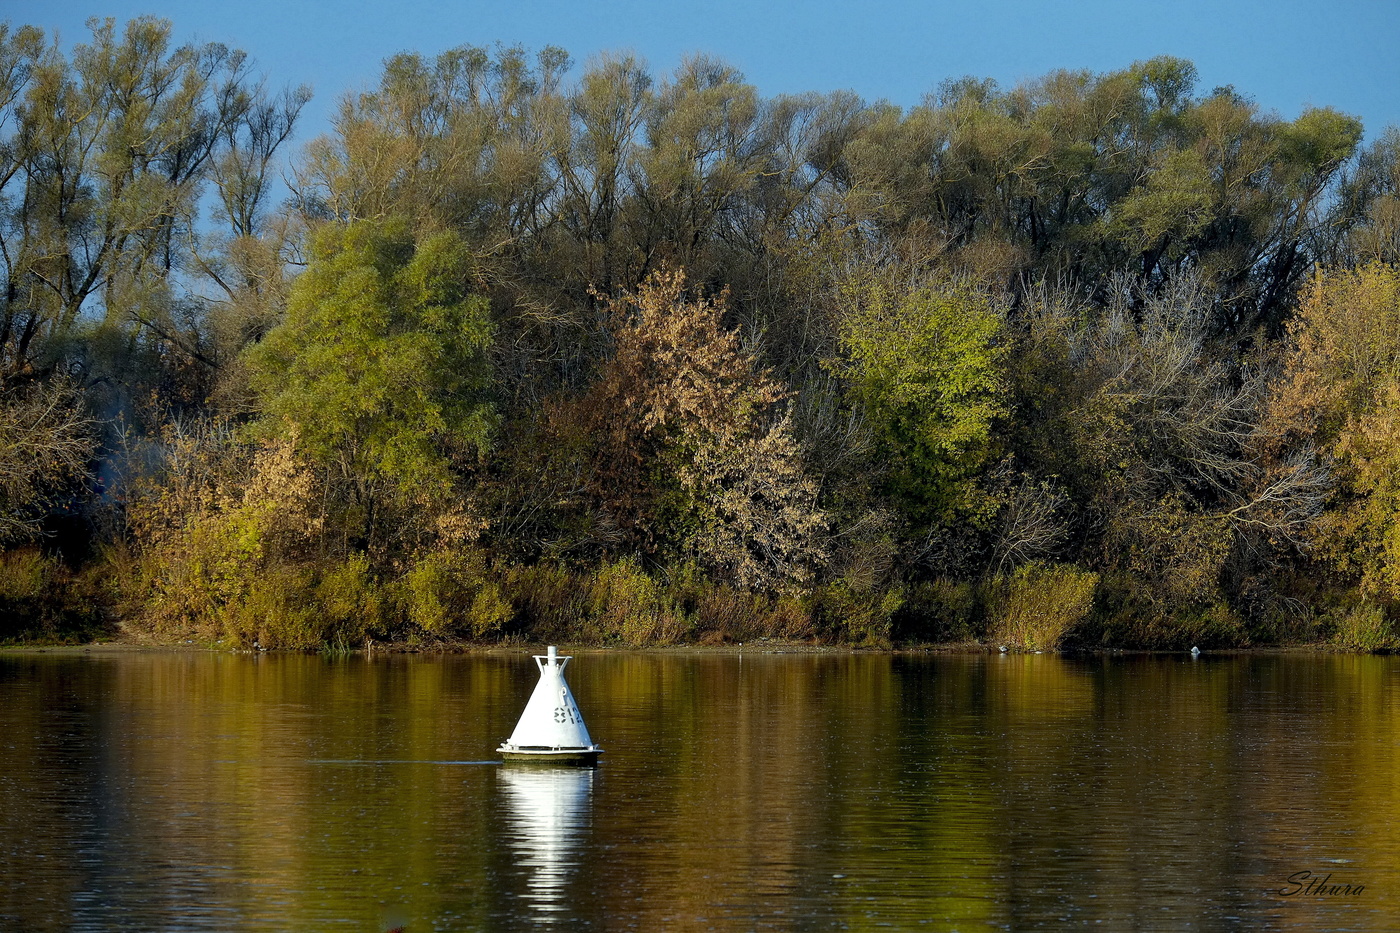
x=1084 y=175
x=463 y=138
x=104 y=159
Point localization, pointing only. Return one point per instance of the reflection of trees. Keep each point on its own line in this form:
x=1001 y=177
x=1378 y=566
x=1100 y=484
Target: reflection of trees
x=254 y=783
x=50 y=776
x=788 y=792
x=782 y=787
x=975 y=792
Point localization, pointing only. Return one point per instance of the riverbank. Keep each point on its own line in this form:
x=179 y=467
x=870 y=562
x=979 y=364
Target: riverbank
x=761 y=647
x=621 y=605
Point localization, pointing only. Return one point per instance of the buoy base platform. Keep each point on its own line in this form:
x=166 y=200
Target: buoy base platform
x=540 y=755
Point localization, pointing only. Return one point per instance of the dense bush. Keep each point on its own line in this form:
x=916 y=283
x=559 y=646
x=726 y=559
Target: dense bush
x=1039 y=605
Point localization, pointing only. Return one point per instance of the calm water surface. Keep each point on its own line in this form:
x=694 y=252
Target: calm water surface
x=169 y=791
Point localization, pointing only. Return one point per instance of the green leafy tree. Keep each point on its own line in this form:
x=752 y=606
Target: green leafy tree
x=1088 y=175
x=926 y=363
x=380 y=367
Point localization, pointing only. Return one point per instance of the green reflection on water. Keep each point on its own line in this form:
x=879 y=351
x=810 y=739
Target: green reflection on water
x=788 y=792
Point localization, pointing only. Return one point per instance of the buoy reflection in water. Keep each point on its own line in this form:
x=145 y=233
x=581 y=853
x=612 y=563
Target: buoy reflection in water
x=548 y=808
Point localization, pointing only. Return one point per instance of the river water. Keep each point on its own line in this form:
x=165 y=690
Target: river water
x=753 y=791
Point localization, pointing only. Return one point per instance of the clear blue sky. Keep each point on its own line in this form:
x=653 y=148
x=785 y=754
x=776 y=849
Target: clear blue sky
x=1285 y=54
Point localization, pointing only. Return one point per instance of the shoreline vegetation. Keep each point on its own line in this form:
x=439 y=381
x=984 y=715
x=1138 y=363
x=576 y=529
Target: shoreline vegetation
x=598 y=356
x=763 y=646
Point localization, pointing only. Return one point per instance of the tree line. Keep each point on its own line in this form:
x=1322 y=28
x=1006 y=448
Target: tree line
x=534 y=351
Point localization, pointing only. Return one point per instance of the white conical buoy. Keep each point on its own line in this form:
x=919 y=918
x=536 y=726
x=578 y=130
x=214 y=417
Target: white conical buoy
x=551 y=728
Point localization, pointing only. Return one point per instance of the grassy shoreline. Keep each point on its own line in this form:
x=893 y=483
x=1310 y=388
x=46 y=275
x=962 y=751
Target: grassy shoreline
x=485 y=605
x=766 y=647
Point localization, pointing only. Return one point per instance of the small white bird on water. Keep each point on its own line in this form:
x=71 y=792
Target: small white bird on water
x=1195 y=652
